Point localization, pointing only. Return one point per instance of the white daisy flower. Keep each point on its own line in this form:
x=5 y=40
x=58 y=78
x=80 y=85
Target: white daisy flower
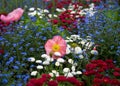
x=38 y=61
x=68 y=74
x=51 y=74
x=81 y=56
x=66 y=70
x=57 y=64
x=46 y=62
x=32 y=9
x=34 y=73
x=78 y=72
x=70 y=61
x=31 y=59
x=39 y=67
x=57 y=54
x=61 y=60
x=78 y=50
x=94 y=52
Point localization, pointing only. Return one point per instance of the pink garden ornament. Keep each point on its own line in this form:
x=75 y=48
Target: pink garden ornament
x=15 y=15
x=57 y=44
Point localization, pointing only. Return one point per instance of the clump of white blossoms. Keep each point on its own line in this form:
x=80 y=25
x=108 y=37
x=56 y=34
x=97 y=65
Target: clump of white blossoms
x=81 y=11
x=38 y=12
x=79 y=46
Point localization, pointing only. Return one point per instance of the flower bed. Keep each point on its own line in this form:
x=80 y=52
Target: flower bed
x=62 y=43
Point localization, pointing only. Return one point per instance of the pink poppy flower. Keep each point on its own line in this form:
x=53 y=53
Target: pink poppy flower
x=15 y=15
x=57 y=44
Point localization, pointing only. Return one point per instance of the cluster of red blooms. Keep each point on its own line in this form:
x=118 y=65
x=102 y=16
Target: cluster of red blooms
x=59 y=4
x=67 y=19
x=45 y=79
x=2 y=24
x=98 y=68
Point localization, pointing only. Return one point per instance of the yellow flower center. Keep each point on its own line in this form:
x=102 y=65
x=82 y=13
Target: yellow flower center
x=55 y=48
x=74 y=45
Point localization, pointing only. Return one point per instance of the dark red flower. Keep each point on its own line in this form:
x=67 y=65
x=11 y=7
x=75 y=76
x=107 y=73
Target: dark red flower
x=54 y=21
x=52 y=83
x=97 y=81
x=115 y=82
x=106 y=80
x=98 y=75
x=96 y=1
x=61 y=79
x=1 y=51
x=117 y=74
x=35 y=82
x=74 y=81
x=117 y=69
x=46 y=77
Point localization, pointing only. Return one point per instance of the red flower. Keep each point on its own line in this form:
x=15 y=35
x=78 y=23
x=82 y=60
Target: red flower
x=117 y=69
x=106 y=80
x=115 y=82
x=54 y=21
x=96 y=1
x=52 y=83
x=117 y=74
x=97 y=81
x=98 y=75
x=61 y=79
x=1 y=51
x=36 y=82
x=46 y=76
x=74 y=81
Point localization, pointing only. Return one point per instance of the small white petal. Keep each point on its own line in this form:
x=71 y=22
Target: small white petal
x=94 y=52
x=83 y=42
x=31 y=59
x=32 y=9
x=59 y=10
x=81 y=56
x=75 y=64
x=34 y=73
x=55 y=15
x=46 y=63
x=73 y=12
x=50 y=15
x=46 y=11
x=38 y=9
x=57 y=74
x=44 y=55
x=69 y=74
x=54 y=71
x=78 y=72
x=68 y=50
x=70 y=61
x=73 y=68
x=57 y=54
x=39 y=67
x=51 y=74
x=57 y=64
x=38 y=61
x=66 y=70
x=78 y=50
x=74 y=73
x=61 y=60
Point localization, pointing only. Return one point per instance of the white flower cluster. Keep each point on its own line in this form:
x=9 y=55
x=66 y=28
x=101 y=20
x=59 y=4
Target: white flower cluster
x=59 y=66
x=78 y=45
x=88 y=11
x=38 y=11
x=80 y=10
